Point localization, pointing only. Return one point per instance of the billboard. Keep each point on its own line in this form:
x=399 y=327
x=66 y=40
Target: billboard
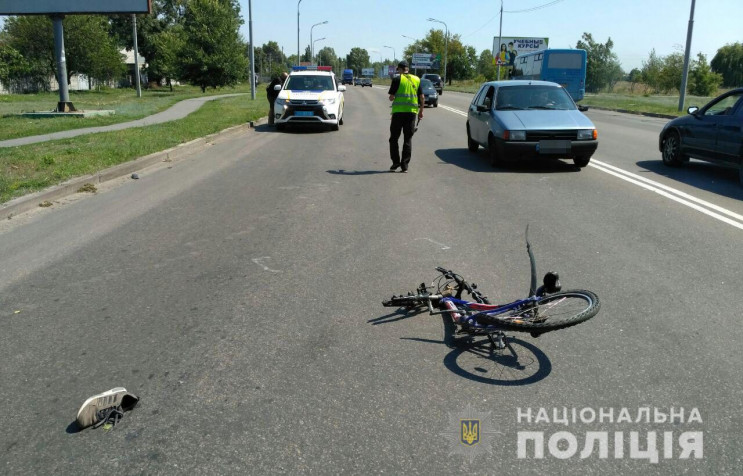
x=510 y=47
x=367 y=72
x=45 y=7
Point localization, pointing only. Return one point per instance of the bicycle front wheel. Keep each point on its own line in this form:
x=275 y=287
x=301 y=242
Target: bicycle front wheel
x=406 y=301
x=555 y=311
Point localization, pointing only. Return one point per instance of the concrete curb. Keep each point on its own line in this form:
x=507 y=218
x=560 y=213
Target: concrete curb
x=636 y=113
x=33 y=200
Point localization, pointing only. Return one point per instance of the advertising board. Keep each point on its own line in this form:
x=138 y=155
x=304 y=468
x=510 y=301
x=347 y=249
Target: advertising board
x=510 y=47
x=367 y=71
x=45 y=7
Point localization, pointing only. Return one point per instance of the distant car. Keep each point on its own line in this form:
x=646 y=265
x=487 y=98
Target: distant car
x=429 y=93
x=310 y=97
x=438 y=83
x=366 y=82
x=521 y=119
x=713 y=133
x=356 y=81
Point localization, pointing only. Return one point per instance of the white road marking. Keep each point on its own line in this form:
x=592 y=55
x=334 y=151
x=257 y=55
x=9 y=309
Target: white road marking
x=715 y=211
x=259 y=262
x=443 y=246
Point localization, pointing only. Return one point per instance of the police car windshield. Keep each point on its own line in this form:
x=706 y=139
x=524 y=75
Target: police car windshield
x=310 y=83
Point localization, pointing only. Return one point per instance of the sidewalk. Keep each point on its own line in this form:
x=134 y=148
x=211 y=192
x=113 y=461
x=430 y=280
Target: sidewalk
x=175 y=112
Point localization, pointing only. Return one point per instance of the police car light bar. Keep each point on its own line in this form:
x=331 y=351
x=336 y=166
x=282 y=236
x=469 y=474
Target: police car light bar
x=312 y=68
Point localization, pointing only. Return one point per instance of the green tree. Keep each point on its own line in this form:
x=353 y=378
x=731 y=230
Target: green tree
x=307 y=56
x=602 y=69
x=13 y=65
x=669 y=78
x=357 y=59
x=634 y=77
x=89 y=47
x=326 y=56
x=165 y=64
x=213 y=55
x=485 y=66
x=729 y=63
x=651 y=71
x=702 y=81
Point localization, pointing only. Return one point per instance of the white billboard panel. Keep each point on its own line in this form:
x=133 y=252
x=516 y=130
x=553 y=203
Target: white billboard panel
x=367 y=72
x=510 y=47
x=44 y=7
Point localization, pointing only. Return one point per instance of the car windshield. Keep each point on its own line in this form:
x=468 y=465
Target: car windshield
x=425 y=83
x=532 y=97
x=314 y=83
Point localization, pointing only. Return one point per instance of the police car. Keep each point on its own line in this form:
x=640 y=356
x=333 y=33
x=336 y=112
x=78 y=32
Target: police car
x=310 y=95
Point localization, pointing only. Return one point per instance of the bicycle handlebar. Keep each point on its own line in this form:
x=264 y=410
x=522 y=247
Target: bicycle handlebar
x=462 y=285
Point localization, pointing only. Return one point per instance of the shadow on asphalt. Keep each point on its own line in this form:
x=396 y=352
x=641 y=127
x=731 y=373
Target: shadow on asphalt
x=358 y=172
x=474 y=358
x=480 y=162
x=73 y=428
x=702 y=175
x=295 y=129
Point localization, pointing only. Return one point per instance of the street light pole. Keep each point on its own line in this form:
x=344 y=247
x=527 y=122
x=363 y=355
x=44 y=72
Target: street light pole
x=500 y=33
x=415 y=40
x=313 y=43
x=312 y=52
x=300 y=1
x=685 y=74
x=394 y=55
x=446 y=43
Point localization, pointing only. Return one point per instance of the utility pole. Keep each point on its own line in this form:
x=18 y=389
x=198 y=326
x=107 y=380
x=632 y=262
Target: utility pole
x=252 y=50
x=136 y=56
x=685 y=74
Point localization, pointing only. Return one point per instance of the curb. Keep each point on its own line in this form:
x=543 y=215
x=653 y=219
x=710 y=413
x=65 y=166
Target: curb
x=34 y=200
x=636 y=113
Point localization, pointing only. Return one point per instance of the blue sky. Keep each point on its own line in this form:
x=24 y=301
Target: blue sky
x=635 y=26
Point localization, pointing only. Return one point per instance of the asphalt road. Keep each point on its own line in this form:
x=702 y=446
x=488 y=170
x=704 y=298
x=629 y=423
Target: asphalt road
x=238 y=294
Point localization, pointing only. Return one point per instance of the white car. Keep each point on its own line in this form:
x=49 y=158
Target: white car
x=310 y=96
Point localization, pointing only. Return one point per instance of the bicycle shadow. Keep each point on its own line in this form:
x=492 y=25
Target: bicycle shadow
x=476 y=359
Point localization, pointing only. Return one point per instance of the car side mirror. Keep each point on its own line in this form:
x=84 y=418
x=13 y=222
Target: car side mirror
x=692 y=110
x=341 y=88
x=277 y=87
x=582 y=108
x=482 y=108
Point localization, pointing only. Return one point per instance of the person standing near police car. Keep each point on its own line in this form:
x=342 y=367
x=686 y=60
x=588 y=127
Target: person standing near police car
x=271 y=95
x=407 y=103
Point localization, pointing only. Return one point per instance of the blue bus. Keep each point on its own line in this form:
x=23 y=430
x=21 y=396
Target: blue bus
x=565 y=67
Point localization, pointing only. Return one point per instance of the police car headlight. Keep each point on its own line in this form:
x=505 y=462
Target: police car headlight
x=282 y=102
x=328 y=101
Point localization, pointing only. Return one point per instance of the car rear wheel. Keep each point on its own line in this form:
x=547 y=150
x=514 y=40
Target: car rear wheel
x=672 y=149
x=582 y=161
x=471 y=144
x=436 y=104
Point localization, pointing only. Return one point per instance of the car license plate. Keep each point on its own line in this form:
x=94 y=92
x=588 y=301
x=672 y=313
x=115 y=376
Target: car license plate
x=303 y=113
x=553 y=146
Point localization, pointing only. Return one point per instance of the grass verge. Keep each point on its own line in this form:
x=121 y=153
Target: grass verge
x=124 y=102
x=30 y=168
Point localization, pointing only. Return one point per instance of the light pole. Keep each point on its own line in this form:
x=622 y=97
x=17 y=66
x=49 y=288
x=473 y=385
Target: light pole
x=446 y=41
x=685 y=73
x=394 y=55
x=312 y=53
x=300 y=1
x=313 y=43
x=415 y=40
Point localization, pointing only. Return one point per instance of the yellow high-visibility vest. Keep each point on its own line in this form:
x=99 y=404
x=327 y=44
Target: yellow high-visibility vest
x=406 y=97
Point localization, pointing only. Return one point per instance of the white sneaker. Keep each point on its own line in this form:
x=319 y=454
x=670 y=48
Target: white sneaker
x=109 y=405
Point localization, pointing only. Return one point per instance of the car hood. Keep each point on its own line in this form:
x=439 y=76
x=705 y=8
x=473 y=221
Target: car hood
x=305 y=95
x=541 y=119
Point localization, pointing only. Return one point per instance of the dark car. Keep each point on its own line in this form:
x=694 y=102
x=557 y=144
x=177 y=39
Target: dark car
x=713 y=133
x=524 y=119
x=429 y=93
x=366 y=82
x=438 y=83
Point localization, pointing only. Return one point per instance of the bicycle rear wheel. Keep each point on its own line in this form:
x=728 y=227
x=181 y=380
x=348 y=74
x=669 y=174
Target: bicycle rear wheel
x=555 y=311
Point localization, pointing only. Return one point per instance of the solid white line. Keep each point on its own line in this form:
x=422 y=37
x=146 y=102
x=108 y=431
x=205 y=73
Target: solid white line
x=455 y=111
x=664 y=190
x=671 y=190
x=666 y=194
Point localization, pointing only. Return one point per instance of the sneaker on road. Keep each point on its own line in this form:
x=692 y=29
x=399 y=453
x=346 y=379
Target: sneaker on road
x=105 y=407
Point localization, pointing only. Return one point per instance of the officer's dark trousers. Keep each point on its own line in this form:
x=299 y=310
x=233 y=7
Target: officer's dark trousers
x=402 y=122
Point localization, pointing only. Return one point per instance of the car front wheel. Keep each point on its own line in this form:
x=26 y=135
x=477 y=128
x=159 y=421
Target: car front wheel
x=582 y=161
x=672 y=149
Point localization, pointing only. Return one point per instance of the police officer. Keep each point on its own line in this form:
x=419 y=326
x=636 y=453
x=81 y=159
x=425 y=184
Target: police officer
x=407 y=103
x=272 y=95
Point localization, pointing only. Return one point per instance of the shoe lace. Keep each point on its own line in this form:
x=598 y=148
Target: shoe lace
x=109 y=415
